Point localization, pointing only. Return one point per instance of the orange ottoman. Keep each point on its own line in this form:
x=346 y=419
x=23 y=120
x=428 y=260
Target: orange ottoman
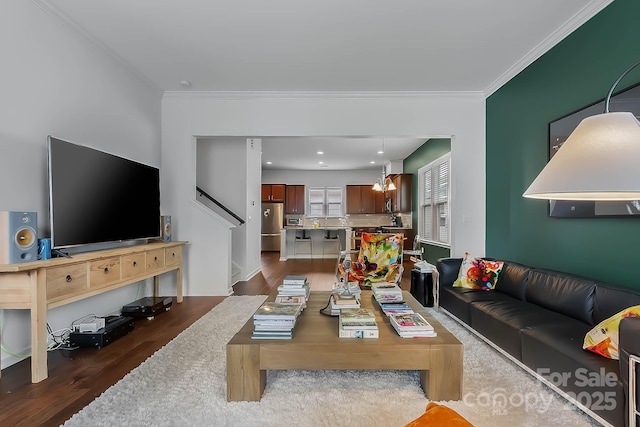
x=441 y=416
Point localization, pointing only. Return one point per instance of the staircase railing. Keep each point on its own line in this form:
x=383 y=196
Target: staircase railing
x=220 y=205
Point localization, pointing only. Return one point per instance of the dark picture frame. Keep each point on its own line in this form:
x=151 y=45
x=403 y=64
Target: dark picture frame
x=560 y=129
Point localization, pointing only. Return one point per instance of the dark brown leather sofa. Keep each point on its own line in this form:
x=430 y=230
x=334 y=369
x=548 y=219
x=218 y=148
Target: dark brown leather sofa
x=540 y=317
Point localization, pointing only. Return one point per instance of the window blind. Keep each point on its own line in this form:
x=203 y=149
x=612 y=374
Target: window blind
x=433 y=221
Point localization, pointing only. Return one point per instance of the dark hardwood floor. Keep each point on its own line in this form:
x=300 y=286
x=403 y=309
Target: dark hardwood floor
x=77 y=377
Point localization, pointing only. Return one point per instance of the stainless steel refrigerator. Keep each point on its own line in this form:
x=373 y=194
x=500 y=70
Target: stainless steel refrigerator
x=272 y=222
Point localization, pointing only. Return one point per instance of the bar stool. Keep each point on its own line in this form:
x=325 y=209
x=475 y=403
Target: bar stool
x=417 y=250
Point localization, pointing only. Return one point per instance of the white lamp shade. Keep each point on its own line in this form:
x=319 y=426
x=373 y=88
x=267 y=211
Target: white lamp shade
x=599 y=161
x=391 y=185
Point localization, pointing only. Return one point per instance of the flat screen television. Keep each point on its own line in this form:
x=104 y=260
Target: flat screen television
x=96 y=197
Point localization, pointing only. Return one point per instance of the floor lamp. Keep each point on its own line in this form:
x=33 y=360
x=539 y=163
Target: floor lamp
x=599 y=161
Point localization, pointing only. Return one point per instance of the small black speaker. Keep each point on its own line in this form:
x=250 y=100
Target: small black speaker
x=18 y=237
x=165 y=228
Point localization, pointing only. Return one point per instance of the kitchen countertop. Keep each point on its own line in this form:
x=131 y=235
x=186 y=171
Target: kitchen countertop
x=341 y=227
x=306 y=227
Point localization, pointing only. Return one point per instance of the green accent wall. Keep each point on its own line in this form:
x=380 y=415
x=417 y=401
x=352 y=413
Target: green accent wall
x=577 y=71
x=425 y=154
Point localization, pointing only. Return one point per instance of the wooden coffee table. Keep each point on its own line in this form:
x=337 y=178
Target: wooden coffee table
x=316 y=346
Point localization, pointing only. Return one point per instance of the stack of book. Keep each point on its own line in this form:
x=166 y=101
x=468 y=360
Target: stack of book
x=412 y=325
x=387 y=292
x=357 y=323
x=390 y=308
x=274 y=320
x=340 y=302
x=294 y=286
x=292 y=299
x=423 y=267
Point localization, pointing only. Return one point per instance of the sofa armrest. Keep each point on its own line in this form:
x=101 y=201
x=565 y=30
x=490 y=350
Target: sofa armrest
x=448 y=270
x=628 y=343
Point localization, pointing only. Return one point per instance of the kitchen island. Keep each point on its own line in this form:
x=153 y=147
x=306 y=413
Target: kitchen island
x=307 y=241
x=313 y=242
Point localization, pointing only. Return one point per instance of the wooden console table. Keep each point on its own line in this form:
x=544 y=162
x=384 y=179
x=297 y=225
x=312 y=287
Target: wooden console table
x=41 y=285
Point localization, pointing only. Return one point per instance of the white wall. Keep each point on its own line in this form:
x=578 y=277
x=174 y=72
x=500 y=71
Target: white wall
x=223 y=171
x=221 y=164
x=53 y=82
x=184 y=115
x=254 y=208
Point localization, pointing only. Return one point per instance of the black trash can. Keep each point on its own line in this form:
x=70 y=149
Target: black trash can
x=422 y=287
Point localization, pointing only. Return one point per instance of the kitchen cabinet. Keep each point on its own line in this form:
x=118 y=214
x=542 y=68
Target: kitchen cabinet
x=379 y=202
x=273 y=192
x=359 y=201
x=401 y=196
x=294 y=200
x=362 y=199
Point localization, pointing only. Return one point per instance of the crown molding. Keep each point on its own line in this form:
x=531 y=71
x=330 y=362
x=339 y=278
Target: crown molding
x=239 y=95
x=577 y=20
x=50 y=9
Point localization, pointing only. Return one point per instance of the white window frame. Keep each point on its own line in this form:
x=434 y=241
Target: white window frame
x=337 y=208
x=431 y=207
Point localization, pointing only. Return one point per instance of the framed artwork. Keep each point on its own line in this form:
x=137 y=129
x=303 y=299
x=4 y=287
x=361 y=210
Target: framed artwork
x=559 y=131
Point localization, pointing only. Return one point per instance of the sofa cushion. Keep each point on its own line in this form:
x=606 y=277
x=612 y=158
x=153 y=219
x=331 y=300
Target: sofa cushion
x=448 y=270
x=610 y=299
x=457 y=301
x=478 y=273
x=513 y=279
x=563 y=293
x=502 y=321
x=603 y=338
x=554 y=351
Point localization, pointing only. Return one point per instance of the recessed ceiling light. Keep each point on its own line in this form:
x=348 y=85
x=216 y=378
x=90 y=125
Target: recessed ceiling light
x=269 y=163
x=372 y=162
x=380 y=152
x=185 y=83
x=320 y=163
x=320 y=152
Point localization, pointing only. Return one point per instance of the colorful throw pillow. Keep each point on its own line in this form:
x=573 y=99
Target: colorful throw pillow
x=603 y=338
x=478 y=273
x=438 y=415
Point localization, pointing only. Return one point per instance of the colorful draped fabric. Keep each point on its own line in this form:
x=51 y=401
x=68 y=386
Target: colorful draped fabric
x=379 y=260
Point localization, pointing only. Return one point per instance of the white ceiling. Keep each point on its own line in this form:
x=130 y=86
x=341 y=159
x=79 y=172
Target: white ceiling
x=328 y=46
x=337 y=153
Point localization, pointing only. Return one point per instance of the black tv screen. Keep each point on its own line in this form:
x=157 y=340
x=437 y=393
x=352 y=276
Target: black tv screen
x=96 y=197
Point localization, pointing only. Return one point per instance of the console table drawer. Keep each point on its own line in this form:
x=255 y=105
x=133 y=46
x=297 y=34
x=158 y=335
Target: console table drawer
x=66 y=280
x=104 y=272
x=173 y=256
x=133 y=265
x=155 y=260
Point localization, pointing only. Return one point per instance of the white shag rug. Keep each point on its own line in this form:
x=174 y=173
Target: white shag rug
x=183 y=384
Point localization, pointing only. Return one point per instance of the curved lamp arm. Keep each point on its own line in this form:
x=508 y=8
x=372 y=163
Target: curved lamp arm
x=608 y=98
